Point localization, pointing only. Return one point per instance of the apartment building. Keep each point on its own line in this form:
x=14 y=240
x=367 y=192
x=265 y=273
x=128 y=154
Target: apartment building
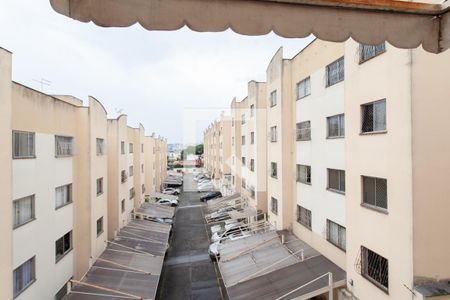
x=356 y=161
x=155 y=165
x=58 y=167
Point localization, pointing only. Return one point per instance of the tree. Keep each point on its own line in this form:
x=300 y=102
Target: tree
x=199 y=149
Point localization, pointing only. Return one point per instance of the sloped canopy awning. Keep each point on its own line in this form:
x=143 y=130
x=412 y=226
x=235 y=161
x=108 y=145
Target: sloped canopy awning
x=403 y=24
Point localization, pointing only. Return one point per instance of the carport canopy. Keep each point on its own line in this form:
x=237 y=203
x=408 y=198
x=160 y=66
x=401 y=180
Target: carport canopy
x=402 y=24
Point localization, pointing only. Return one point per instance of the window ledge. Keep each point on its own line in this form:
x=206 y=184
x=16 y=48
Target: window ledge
x=99 y=194
x=25 y=223
x=300 y=98
x=337 y=246
x=65 y=204
x=376 y=283
x=25 y=157
x=63 y=156
x=336 y=191
x=373 y=132
x=335 y=137
x=58 y=259
x=375 y=208
x=309 y=228
x=100 y=233
x=297 y=140
x=307 y=183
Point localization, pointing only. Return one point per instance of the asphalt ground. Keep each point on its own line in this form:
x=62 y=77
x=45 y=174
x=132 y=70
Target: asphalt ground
x=188 y=272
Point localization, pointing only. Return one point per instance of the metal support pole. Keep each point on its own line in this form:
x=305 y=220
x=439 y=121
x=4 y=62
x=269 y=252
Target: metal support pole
x=330 y=283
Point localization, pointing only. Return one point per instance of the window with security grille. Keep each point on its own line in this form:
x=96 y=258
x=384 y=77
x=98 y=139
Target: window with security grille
x=335 y=72
x=252 y=137
x=131 y=171
x=304 y=174
x=132 y=193
x=99 y=226
x=273 y=170
x=24 y=276
x=130 y=148
x=61 y=293
x=63 y=195
x=252 y=165
x=304 y=88
x=303 y=131
x=23 y=211
x=375 y=268
x=373 y=116
x=366 y=52
x=336 y=234
x=23 y=144
x=273 y=134
x=336 y=180
x=336 y=126
x=243 y=140
x=63 y=146
x=252 y=192
x=375 y=192
x=99 y=186
x=122 y=147
x=63 y=246
x=123 y=176
x=274 y=205
x=122 y=206
x=252 y=110
x=243 y=161
x=304 y=216
x=273 y=98
x=100 y=143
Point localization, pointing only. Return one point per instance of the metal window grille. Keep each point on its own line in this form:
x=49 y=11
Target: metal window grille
x=304 y=216
x=63 y=145
x=273 y=170
x=99 y=226
x=273 y=134
x=374 y=116
x=375 y=268
x=366 y=52
x=303 y=88
x=303 y=132
x=100 y=146
x=336 y=180
x=304 y=174
x=23 y=144
x=273 y=98
x=99 y=186
x=274 y=205
x=336 y=234
x=375 y=192
x=335 y=72
x=336 y=126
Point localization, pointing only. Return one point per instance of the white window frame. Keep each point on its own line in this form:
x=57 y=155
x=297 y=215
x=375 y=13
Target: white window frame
x=303 y=88
x=341 y=126
x=17 y=211
x=63 y=146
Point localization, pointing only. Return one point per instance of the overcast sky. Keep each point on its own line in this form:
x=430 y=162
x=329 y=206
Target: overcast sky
x=162 y=79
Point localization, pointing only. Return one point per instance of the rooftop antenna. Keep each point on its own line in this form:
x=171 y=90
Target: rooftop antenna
x=43 y=82
x=118 y=110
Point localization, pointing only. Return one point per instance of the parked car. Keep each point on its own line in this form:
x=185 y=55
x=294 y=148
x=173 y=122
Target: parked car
x=205 y=188
x=171 y=191
x=228 y=232
x=210 y=196
x=167 y=221
x=213 y=249
x=168 y=202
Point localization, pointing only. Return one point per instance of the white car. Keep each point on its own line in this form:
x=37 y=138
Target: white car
x=213 y=249
x=205 y=188
x=167 y=202
x=171 y=191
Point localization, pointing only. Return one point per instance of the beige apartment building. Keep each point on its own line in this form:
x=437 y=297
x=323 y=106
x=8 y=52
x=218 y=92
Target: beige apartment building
x=356 y=161
x=62 y=181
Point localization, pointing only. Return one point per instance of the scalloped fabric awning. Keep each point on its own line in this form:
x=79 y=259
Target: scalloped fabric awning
x=402 y=24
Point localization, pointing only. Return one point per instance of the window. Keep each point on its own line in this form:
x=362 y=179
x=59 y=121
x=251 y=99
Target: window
x=274 y=205
x=366 y=52
x=99 y=186
x=63 y=195
x=63 y=246
x=243 y=161
x=99 y=226
x=336 y=180
x=374 y=116
x=122 y=205
x=100 y=146
x=123 y=176
x=143 y=188
x=243 y=183
x=252 y=165
x=375 y=192
x=61 y=293
x=336 y=234
x=304 y=174
x=252 y=137
x=336 y=126
x=273 y=170
x=252 y=192
x=303 y=131
x=63 y=146
x=142 y=168
x=335 y=72
x=23 y=144
x=273 y=134
x=303 y=88
x=23 y=211
x=122 y=147
x=243 y=140
x=131 y=171
x=252 y=110
x=273 y=98
x=131 y=193
x=130 y=148
x=24 y=276
x=243 y=119
x=304 y=216
x=375 y=268
x=142 y=148
x=232 y=141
